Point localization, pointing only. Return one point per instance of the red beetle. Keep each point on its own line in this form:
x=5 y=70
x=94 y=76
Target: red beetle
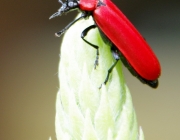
x=126 y=42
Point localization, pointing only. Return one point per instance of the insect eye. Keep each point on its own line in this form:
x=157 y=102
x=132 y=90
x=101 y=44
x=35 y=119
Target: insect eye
x=70 y=4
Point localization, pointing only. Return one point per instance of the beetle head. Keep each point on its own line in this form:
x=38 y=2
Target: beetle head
x=67 y=6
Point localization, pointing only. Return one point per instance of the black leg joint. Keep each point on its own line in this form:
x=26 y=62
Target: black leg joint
x=83 y=35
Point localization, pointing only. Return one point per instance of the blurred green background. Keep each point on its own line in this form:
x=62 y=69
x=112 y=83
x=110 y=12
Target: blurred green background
x=29 y=57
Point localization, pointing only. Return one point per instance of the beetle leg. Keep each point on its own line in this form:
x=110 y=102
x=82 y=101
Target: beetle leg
x=117 y=57
x=83 y=34
x=110 y=70
x=58 y=34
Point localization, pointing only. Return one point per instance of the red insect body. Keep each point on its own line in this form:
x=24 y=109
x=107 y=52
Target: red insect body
x=125 y=37
x=139 y=58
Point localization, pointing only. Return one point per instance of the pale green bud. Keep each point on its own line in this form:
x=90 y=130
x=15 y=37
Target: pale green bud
x=83 y=111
